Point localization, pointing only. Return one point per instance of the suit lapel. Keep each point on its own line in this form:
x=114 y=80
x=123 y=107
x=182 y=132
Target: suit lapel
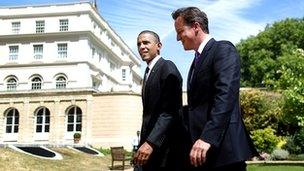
x=153 y=74
x=202 y=59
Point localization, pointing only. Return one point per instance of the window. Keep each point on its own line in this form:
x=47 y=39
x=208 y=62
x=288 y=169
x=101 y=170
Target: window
x=40 y=26
x=11 y=84
x=64 y=25
x=36 y=83
x=62 y=50
x=15 y=27
x=43 y=120
x=123 y=74
x=12 y=121
x=38 y=51
x=60 y=82
x=13 y=52
x=74 y=119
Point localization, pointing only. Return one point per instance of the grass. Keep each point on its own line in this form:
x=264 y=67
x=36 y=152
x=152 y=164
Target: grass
x=268 y=167
x=77 y=161
x=72 y=160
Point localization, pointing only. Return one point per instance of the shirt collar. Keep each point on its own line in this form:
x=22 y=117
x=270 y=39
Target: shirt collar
x=203 y=44
x=153 y=62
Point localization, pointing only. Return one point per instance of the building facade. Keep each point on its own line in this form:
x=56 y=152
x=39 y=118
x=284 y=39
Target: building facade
x=64 y=70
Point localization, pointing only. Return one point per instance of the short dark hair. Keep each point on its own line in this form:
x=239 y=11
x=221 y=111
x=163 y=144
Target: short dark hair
x=155 y=35
x=191 y=15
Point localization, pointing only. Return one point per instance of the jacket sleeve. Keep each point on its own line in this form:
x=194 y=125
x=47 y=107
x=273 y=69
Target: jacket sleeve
x=226 y=70
x=170 y=102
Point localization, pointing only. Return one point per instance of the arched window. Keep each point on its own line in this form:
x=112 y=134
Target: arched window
x=74 y=119
x=43 y=120
x=36 y=83
x=12 y=121
x=60 y=82
x=11 y=84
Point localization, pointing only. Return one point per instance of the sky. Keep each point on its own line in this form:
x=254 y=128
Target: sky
x=231 y=20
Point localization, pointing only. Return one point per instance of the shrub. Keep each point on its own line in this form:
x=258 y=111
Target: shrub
x=296 y=157
x=293 y=109
x=295 y=143
x=291 y=146
x=291 y=81
x=77 y=135
x=105 y=151
x=265 y=139
x=299 y=140
x=281 y=143
x=260 y=109
x=279 y=154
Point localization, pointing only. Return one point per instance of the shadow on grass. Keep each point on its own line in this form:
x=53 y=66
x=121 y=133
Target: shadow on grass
x=120 y=167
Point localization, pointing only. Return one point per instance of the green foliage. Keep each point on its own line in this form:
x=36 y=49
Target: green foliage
x=260 y=54
x=77 y=135
x=265 y=139
x=290 y=73
x=296 y=157
x=105 y=151
x=291 y=146
x=299 y=140
x=279 y=154
x=260 y=109
x=293 y=108
x=275 y=59
x=291 y=81
x=295 y=143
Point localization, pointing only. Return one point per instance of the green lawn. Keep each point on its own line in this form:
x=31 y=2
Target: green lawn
x=72 y=161
x=77 y=161
x=262 y=167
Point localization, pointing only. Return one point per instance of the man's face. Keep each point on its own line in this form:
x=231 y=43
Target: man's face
x=148 y=47
x=185 y=33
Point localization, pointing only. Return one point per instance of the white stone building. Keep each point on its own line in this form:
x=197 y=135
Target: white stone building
x=64 y=70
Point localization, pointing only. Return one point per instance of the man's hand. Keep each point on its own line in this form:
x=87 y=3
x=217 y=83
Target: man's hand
x=198 y=152
x=143 y=154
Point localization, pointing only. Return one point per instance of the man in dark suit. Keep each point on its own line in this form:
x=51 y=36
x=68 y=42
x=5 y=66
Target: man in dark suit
x=160 y=146
x=220 y=140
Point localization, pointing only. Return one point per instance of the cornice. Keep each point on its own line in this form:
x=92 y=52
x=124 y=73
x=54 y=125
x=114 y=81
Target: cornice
x=48 y=92
x=91 y=11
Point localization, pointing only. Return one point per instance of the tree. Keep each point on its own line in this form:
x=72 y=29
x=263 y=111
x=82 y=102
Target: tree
x=259 y=54
x=275 y=59
x=291 y=80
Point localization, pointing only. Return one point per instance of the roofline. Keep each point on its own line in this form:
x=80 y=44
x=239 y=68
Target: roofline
x=47 y=4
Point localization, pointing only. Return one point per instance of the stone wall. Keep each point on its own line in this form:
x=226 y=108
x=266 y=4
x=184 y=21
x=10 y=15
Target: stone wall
x=107 y=119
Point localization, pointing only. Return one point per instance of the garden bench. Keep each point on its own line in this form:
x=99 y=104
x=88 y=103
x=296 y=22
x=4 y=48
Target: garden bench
x=119 y=154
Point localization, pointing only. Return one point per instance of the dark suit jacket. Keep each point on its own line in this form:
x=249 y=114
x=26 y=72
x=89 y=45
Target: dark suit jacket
x=214 y=110
x=162 y=101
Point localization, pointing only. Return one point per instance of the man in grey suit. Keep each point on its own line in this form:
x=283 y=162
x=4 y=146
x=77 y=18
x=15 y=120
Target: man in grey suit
x=161 y=141
x=219 y=138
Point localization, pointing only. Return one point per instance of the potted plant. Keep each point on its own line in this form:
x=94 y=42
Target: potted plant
x=77 y=137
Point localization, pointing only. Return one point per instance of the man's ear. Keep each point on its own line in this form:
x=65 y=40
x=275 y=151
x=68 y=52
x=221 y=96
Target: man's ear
x=159 y=45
